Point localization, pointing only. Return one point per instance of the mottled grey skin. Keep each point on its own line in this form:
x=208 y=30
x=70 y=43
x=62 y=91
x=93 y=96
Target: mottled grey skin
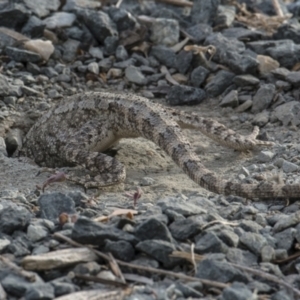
x=75 y=132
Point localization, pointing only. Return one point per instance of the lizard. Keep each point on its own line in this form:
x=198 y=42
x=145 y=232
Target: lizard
x=79 y=130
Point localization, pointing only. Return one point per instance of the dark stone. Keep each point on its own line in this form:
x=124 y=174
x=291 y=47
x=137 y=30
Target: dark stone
x=34 y=27
x=15 y=285
x=242 y=34
x=224 y=45
x=204 y=11
x=20 y=245
x=199 y=32
x=99 y=24
x=110 y=45
x=241 y=257
x=185 y=229
x=240 y=64
x=220 y=271
x=185 y=95
x=261 y=47
x=263 y=98
x=285 y=239
x=164 y=55
x=86 y=231
x=246 y=80
x=22 y=55
x=120 y=250
x=237 y=291
x=64 y=288
x=14 y=218
x=198 y=76
x=289 y=30
x=121 y=53
x=294 y=79
x=122 y=18
x=89 y=268
x=210 y=243
x=159 y=250
x=53 y=204
x=183 y=61
x=219 y=83
x=286 y=54
x=153 y=229
x=13 y=15
x=40 y=291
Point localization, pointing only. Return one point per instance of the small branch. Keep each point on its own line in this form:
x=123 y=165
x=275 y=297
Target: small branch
x=101 y=280
x=177 y=2
x=211 y=283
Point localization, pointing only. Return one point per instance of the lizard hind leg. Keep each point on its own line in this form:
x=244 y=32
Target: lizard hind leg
x=96 y=170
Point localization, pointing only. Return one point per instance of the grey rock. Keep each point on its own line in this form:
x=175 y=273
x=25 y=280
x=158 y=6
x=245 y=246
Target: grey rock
x=21 y=55
x=70 y=48
x=110 y=45
x=261 y=119
x=246 y=80
x=64 y=288
x=54 y=204
x=164 y=55
x=225 y=16
x=263 y=98
x=28 y=91
x=133 y=74
x=281 y=295
x=230 y=100
x=36 y=232
x=4 y=86
x=93 y=67
x=242 y=33
x=183 y=61
x=261 y=47
x=184 y=229
x=122 y=18
x=89 y=232
x=188 y=291
x=285 y=239
x=220 y=271
x=59 y=19
x=198 y=76
x=14 y=218
x=91 y=268
x=34 y=27
x=253 y=241
x=199 y=32
x=265 y=156
x=239 y=63
x=153 y=229
x=2 y=147
x=289 y=167
x=267 y=253
x=13 y=15
x=121 y=53
x=287 y=54
x=288 y=113
x=15 y=285
x=164 y=32
x=228 y=237
x=294 y=79
x=159 y=250
x=205 y=11
x=99 y=23
x=185 y=95
x=243 y=107
x=241 y=257
x=96 y=52
x=219 y=83
x=185 y=208
x=289 y=30
x=224 y=45
x=210 y=243
x=42 y=8
x=237 y=291
x=43 y=291
x=120 y=250
x=124 y=64
x=3 y=244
